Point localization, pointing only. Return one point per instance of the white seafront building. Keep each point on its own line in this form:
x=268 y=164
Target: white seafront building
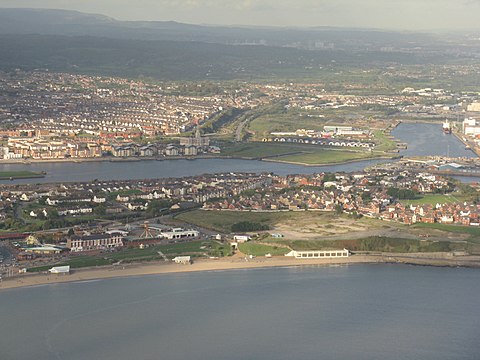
x=60 y=270
x=319 y=254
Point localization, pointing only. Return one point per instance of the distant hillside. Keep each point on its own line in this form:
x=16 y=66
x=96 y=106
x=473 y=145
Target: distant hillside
x=62 y=22
x=71 y=41
x=179 y=60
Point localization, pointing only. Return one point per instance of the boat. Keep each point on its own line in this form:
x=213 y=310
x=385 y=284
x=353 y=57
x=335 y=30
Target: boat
x=447 y=129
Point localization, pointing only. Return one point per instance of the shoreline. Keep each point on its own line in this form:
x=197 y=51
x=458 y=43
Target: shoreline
x=225 y=264
x=11 y=178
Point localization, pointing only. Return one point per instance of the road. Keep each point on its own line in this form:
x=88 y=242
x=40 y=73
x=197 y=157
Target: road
x=239 y=130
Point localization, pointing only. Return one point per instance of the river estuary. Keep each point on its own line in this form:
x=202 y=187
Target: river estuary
x=422 y=139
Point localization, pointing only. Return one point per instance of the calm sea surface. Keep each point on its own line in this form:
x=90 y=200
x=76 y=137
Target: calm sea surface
x=348 y=312
x=423 y=139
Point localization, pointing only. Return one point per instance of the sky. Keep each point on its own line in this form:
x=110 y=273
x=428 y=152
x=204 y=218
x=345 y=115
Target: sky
x=384 y=14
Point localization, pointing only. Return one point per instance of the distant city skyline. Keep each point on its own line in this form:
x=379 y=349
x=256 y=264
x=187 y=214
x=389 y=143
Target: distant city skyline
x=383 y=14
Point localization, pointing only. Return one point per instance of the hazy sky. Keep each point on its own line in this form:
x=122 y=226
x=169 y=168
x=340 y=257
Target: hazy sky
x=396 y=14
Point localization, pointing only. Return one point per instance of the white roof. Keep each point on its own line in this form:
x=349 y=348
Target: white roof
x=182 y=258
x=60 y=269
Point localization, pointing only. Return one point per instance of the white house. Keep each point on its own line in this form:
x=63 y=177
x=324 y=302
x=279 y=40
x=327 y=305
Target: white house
x=241 y=238
x=182 y=260
x=99 y=200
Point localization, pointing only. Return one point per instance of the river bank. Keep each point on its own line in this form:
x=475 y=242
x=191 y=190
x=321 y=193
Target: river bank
x=108 y=159
x=234 y=263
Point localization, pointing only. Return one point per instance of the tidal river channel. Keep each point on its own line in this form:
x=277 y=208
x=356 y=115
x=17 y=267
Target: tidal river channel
x=422 y=139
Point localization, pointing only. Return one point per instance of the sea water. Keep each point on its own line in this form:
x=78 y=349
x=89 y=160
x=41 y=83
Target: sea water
x=344 y=312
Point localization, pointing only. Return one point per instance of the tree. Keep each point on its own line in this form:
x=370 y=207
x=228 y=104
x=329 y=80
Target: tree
x=100 y=210
x=156 y=207
x=401 y=194
x=329 y=177
x=338 y=209
x=53 y=214
x=366 y=196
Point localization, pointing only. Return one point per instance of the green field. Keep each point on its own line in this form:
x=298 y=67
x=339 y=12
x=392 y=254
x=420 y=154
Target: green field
x=295 y=153
x=194 y=249
x=325 y=157
x=264 y=125
x=6 y=175
x=261 y=150
x=471 y=230
x=384 y=143
x=223 y=220
x=250 y=248
x=433 y=199
x=280 y=120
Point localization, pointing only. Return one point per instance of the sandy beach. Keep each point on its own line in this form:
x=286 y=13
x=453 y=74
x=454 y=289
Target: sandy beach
x=107 y=272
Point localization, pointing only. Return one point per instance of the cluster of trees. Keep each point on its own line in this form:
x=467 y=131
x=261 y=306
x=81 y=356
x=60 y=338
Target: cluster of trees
x=402 y=194
x=11 y=224
x=329 y=177
x=157 y=207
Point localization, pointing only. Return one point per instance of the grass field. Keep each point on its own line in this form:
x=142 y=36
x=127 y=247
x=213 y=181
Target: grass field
x=281 y=120
x=256 y=249
x=260 y=150
x=470 y=230
x=263 y=126
x=296 y=153
x=384 y=143
x=325 y=157
x=433 y=199
x=6 y=175
x=194 y=249
x=223 y=220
